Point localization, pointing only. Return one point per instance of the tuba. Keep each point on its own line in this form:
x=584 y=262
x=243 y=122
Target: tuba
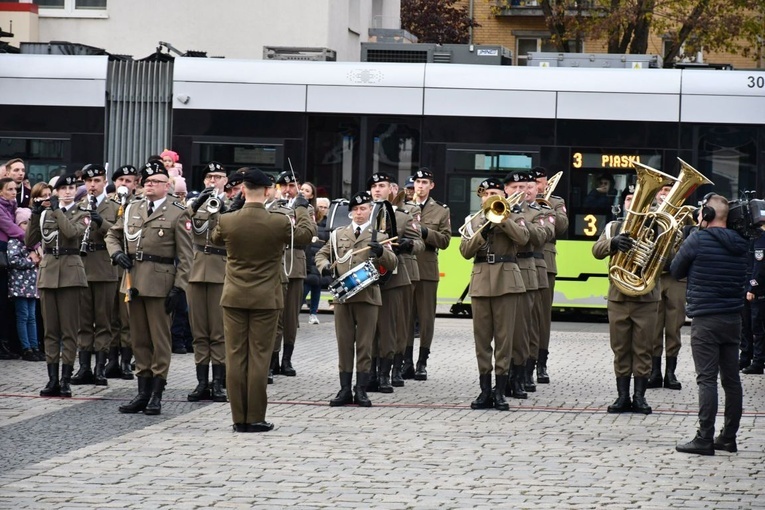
x=654 y=233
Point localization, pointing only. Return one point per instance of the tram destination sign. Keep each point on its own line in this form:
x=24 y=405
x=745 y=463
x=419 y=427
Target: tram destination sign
x=613 y=160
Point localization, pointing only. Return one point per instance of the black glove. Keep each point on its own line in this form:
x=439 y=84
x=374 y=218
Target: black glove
x=96 y=218
x=38 y=207
x=236 y=204
x=300 y=201
x=53 y=203
x=326 y=271
x=120 y=258
x=201 y=199
x=424 y=231
x=485 y=231
x=622 y=243
x=405 y=245
x=376 y=249
x=173 y=299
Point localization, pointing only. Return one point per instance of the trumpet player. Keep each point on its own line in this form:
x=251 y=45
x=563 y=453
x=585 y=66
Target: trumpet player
x=97 y=299
x=205 y=289
x=631 y=322
x=496 y=290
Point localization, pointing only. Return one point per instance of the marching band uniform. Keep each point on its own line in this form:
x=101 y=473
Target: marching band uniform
x=436 y=229
x=496 y=288
x=61 y=278
x=154 y=234
x=670 y=320
x=355 y=318
x=97 y=300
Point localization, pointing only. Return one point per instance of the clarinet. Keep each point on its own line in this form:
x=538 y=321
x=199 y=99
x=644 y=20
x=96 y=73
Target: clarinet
x=86 y=236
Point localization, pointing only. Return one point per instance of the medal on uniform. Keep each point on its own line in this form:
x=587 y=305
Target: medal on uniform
x=161 y=233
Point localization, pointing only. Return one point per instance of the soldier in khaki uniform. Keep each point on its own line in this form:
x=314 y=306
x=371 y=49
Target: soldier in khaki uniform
x=631 y=322
x=518 y=181
x=97 y=300
x=558 y=206
x=206 y=287
x=436 y=228
x=59 y=224
x=254 y=240
x=356 y=317
x=496 y=288
x=152 y=242
x=393 y=317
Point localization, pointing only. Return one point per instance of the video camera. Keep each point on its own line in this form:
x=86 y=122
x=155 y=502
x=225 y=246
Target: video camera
x=747 y=215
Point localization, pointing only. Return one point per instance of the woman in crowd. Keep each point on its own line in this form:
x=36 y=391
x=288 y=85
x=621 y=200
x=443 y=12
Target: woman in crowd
x=8 y=230
x=22 y=288
x=313 y=281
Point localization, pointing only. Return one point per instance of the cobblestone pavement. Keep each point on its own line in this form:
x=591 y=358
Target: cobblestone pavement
x=420 y=447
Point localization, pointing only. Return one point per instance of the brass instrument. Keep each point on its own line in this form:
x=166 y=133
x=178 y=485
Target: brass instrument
x=552 y=183
x=654 y=233
x=496 y=209
x=213 y=205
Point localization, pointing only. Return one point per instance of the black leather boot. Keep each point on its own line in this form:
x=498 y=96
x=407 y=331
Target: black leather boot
x=202 y=391
x=374 y=383
x=359 y=392
x=421 y=373
x=670 y=381
x=529 y=384
x=542 y=376
x=639 y=404
x=217 y=392
x=154 y=406
x=345 y=395
x=275 y=366
x=383 y=375
x=516 y=382
x=66 y=379
x=53 y=388
x=622 y=404
x=498 y=394
x=99 y=376
x=125 y=366
x=654 y=380
x=485 y=399
x=112 y=368
x=407 y=369
x=287 y=361
x=139 y=402
x=85 y=374
x=396 y=380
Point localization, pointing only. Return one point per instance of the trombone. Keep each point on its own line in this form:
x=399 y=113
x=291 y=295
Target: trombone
x=552 y=182
x=496 y=209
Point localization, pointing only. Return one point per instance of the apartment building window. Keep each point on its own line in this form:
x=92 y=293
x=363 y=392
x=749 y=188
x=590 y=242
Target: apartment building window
x=524 y=45
x=71 y=8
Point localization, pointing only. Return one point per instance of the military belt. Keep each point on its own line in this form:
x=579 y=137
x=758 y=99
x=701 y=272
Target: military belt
x=525 y=254
x=145 y=257
x=210 y=249
x=490 y=258
x=430 y=248
x=96 y=247
x=62 y=251
x=539 y=255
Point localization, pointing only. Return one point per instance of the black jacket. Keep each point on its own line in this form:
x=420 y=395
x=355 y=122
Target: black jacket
x=714 y=260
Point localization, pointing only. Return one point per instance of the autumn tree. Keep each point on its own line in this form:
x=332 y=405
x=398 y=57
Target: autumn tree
x=436 y=21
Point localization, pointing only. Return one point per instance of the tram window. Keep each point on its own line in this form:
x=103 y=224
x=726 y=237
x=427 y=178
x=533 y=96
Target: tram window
x=396 y=149
x=333 y=154
x=728 y=156
x=596 y=198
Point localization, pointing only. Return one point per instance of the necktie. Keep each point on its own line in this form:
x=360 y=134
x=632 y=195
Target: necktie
x=358 y=232
x=150 y=208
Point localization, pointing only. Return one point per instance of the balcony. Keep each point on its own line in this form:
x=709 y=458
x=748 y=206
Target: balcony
x=513 y=8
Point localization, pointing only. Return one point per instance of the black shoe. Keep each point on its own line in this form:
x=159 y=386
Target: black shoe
x=639 y=404
x=529 y=384
x=743 y=363
x=139 y=402
x=40 y=355
x=655 y=379
x=724 y=444
x=180 y=349
x=485 y=399
x=359 y=392
x=754 y=368
x=53 y=388
x=112 y=368
x=217 y=393
x=66 y=379
x=407 y=369
x=240 y=427
x=383 y=375
x=154 y=406
x=516 y=378
x=345 y=395
x=261 y=426
x=6 y=352
x=498 y=394
x=542 y=376
x=396 y=379
x=85 y=374
x=622 y=404
x=421 y=373
x=697 y=446
x=125 y=366
x=275 y=368
x=670 y=381
x=99 y=378
x=287 y=368
x=28 y=355
x=202 y=391
x=373 y=386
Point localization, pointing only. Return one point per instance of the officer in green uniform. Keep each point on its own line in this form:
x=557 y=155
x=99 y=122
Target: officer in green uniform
x=496 y=288
x=631 y=324
x=355 y=317
x=254 y=239
x=152 y=242
x=59 y=224
x=97 y=300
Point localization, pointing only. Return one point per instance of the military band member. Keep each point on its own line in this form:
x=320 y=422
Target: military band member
x=496 y=288
x=205 y=289
x=631 y=324
x=125 y=180
x=436 y=229
x=233 y=185
x=97 y=299
x=59 y=224
x=393 y=317
x=152 y=242
x=254 y=240
x=558 y=206
x=356 y=317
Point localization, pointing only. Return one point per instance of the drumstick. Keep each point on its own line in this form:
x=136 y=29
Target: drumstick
x=362 y=250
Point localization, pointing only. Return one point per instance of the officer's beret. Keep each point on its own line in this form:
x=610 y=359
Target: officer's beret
x=93 y=170
x=379 y=177
x=287 y=177
x=213 y=166
x=492 y=183
x=65 y=180
x=256 y=178
x=519 y=176
x=409 y=183
x=153 y=168
x=423 y=173
x=234 y=179
x=539 y=172
x=124 y=170
x=362 y=197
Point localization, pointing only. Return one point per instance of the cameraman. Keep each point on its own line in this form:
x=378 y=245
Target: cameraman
x=714 y=261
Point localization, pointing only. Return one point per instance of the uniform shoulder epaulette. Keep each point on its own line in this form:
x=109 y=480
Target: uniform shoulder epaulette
x=556 y=197
x=441 y=204
x=534 y=205
x=179 y=206
x=545 y=206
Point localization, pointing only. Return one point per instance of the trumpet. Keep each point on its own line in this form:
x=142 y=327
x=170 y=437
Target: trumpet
x=496 y=209
x=213 y=205
x=552 y=182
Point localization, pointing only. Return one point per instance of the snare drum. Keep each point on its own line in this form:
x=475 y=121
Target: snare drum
x=354 y=281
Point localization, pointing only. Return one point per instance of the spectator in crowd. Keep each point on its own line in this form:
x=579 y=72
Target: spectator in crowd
x=8 y=230
x=309 y=193
x=170 y=160
x=4 y=172
x=18 y=171
x=602 y=196
x=22 y=288
x=313 y=281
x=179 y=188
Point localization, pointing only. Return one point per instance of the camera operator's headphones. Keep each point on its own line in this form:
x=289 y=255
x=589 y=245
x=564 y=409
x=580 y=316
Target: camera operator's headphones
x=707 y=212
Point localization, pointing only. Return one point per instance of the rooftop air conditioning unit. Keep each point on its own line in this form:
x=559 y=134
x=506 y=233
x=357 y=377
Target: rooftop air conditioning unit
x=294 y=53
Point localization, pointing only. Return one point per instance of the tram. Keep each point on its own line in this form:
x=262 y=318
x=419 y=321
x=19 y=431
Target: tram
x=338 y=122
